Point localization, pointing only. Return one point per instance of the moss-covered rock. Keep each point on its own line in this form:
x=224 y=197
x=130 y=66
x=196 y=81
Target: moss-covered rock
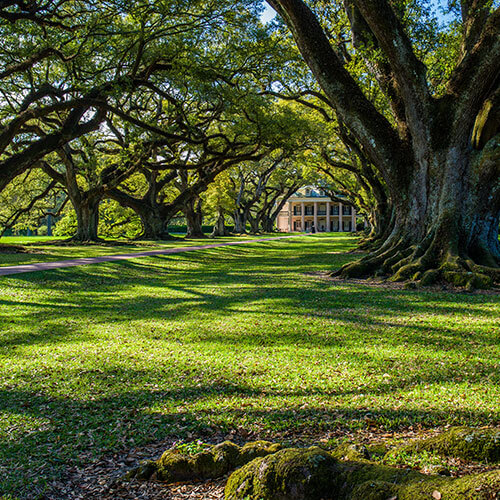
x=357 y=474
x=256 y=449
x=485 y=486
x=289 y=474
x=143 y=472
x=350 y=451
x=460 y=442
x=375 y=482
x=374 y=490
x=309 y=474
x=174 y=466
x=270 y=473
x=177 y=464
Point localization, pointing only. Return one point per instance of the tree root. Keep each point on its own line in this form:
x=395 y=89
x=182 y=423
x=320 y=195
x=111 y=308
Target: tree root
x=421 y=264
x=375 y=261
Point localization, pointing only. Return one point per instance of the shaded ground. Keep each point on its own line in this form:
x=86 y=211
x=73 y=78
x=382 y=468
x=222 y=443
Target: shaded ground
x=240 y=341
x=85 y=261
x=35 y=249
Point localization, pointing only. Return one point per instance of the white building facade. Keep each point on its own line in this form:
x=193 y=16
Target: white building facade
x=310 y=210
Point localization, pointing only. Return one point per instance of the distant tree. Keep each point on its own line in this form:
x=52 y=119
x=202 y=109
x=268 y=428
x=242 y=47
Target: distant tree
x=219 y=200
x=30 y=200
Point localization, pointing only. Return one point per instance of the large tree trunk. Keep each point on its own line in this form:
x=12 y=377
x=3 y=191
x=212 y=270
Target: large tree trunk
x=194 y=219
x=220 y=228
x=239 y=222
x=380 y=219
x=87 y=216
x=154 y=224
x=254 y=223
x=445 y=226
x=440 y=157
x=267 y=224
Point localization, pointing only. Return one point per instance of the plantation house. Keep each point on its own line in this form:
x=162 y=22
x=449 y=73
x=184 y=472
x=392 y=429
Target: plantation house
x=309 y=209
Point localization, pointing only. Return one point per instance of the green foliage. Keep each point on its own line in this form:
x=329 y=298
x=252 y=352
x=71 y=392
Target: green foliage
x=66 y=226
x=117 y=221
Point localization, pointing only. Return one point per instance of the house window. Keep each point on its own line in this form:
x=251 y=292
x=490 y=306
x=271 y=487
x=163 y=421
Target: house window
x=309 y=210
x=297 y=210
x=308 y=192
x=334 y=210
x=346 y=210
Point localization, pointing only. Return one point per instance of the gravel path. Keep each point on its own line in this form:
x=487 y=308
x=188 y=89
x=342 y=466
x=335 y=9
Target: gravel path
x=45 y=266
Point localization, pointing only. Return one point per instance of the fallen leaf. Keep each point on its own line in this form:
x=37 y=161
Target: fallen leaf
x=436 y=495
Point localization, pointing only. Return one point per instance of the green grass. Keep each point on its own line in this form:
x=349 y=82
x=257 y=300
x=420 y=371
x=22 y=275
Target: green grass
x=48 y=248
x=105 y=357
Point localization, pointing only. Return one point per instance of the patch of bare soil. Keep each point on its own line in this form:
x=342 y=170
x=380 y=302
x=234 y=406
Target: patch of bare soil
x=391 y=285
x=101 y=480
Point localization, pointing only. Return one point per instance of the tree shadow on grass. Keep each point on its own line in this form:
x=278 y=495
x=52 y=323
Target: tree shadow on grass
x=172 y=294
x=189 y=299
x=72 y=432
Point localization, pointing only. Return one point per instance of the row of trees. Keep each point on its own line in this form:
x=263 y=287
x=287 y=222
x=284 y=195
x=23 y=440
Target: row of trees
x=242 y=198
x=144 y=103
x=162 y=105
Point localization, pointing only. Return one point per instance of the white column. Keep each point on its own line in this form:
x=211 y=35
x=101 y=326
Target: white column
x=353 y=219
x=303 y=214
x=341 y=225
x=315 y=213
x=290 y=217
x=328 y=217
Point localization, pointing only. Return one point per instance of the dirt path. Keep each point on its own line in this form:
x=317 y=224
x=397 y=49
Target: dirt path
x=45 y=266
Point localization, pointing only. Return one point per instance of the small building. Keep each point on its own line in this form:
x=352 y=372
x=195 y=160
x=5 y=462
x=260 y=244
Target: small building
x=311 y=210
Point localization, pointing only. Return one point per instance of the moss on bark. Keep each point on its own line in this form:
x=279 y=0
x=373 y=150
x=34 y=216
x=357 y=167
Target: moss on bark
x=268 y=472
x=289 y=474
x=460 y=442
x=310 y=474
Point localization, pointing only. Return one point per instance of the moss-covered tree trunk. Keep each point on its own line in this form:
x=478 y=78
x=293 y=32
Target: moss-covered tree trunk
x=439 y=157
x=445 y=225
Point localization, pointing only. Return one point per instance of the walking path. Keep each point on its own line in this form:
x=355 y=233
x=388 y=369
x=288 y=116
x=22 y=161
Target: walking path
x=45 y=266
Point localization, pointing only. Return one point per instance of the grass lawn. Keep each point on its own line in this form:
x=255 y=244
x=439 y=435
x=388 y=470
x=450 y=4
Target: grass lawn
x=49 y=248
x=105 y=357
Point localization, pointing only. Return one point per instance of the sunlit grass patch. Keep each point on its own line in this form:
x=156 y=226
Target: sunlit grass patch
x=220 y=341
